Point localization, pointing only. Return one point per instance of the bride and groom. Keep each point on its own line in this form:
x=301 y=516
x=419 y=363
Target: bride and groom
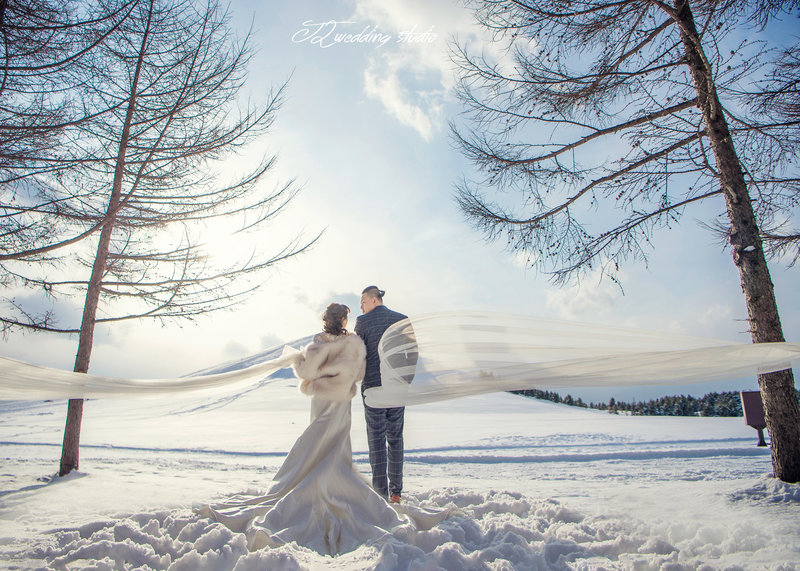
x=318 y=498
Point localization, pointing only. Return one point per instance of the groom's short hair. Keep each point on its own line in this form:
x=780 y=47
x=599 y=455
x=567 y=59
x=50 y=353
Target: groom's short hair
x=374 y=291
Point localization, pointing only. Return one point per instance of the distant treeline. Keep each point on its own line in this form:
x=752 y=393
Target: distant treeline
x=712 y=404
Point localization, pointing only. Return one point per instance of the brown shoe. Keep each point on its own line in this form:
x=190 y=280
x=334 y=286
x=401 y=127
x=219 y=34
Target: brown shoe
x=395 y=499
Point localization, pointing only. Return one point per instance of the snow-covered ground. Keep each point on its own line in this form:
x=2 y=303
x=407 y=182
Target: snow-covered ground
x=539 y=486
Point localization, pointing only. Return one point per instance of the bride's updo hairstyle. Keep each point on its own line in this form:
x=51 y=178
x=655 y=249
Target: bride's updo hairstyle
x=333 y=317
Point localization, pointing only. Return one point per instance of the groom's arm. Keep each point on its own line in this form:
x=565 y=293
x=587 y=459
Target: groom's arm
x=359 y=329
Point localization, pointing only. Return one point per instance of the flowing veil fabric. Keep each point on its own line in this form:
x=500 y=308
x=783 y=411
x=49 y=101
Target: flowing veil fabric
x=449 y=355
x=23 y=381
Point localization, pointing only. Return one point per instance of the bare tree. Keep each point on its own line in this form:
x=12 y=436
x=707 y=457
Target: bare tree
x=626 y=113
x=40 y=110
x=777 y=96
x=168 y=82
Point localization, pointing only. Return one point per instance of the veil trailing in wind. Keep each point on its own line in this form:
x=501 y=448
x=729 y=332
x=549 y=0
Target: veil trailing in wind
x=448 y=355
x=23 y=381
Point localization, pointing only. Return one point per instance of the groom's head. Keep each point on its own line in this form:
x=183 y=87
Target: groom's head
x=371 y=298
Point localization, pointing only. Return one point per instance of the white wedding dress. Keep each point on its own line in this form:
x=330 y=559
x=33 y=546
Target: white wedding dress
x=317 y=498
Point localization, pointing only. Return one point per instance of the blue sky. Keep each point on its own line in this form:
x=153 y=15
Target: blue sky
x=364 y=131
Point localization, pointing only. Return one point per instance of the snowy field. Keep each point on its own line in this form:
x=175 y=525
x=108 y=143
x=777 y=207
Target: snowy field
x=538 y=486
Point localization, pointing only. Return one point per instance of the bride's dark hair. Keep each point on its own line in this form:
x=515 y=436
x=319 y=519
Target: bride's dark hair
x=333 y=317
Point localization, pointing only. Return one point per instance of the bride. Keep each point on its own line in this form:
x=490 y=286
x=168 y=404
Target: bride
x=318 y=498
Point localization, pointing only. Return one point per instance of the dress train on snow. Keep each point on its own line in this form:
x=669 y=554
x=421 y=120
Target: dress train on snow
x=318 y=498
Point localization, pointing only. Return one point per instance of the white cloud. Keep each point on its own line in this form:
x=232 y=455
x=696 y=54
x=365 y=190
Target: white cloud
x=234 y=349
x=589 y=300
x=383 y=83
x=412 y=75
x=715 y=313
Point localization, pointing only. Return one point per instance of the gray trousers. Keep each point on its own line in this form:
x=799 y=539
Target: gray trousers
x=385 y=437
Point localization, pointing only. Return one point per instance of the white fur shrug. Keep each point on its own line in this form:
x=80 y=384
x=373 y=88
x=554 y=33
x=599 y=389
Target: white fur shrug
x=330 y=367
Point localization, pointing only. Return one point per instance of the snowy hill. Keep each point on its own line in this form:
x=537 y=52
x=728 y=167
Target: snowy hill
x=539 y=486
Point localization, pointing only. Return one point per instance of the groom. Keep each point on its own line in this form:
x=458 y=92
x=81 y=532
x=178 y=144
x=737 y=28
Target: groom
x=384 y=425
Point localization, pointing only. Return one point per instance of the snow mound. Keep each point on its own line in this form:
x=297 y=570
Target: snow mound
x=770 y=491
x=490 y=530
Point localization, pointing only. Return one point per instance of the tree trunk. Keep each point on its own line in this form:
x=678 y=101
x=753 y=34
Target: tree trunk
x=72 y=436
x=777 y=389
x=70 y=451
x=70 y=448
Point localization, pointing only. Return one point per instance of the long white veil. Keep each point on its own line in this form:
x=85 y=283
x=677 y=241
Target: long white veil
x=449 y=355
x=23 y=381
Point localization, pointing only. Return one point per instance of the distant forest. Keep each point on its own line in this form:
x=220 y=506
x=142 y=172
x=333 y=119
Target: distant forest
x=712 y=404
